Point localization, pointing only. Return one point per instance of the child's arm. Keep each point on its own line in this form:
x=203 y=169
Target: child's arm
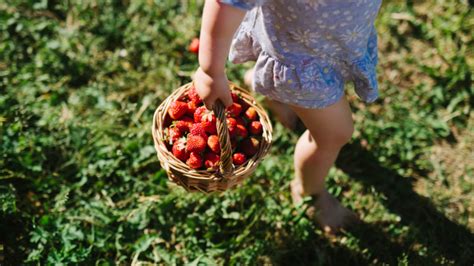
x=219 y=23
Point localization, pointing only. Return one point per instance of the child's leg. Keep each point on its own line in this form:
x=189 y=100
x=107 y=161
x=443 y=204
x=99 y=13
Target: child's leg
x=328 y=129
x=317 y=149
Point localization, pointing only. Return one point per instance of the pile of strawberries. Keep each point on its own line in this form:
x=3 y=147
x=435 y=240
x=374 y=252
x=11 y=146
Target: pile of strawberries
x=191 y=133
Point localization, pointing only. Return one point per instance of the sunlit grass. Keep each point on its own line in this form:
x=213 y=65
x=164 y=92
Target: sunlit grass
x=80 y=182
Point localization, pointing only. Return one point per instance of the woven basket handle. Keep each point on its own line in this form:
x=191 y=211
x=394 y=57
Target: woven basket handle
x=226 y=167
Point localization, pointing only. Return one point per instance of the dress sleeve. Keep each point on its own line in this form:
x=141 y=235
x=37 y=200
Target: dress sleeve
x=242 y=4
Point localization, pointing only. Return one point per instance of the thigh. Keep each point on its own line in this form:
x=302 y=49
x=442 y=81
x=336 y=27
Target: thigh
x=331 y=125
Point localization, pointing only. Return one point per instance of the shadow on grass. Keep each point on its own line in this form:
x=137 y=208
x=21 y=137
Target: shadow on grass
x=430 y=227
x=375 y=247
x=314 y=250
x=381 y=247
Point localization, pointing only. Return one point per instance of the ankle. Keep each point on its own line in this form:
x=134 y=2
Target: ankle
x=301 y=190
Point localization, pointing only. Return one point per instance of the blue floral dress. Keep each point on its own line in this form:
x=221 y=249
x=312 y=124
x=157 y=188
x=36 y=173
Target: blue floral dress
x=305 y=50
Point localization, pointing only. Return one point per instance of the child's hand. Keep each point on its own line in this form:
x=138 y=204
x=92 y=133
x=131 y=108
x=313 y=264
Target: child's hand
x=212 y=87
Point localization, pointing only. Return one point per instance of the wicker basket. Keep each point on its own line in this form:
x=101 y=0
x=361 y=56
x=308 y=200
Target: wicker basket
x=227 y=176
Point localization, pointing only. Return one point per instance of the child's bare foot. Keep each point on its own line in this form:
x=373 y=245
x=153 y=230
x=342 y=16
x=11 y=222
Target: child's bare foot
x=326 y=210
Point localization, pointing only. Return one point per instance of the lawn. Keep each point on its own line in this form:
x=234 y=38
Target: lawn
x=80 y=182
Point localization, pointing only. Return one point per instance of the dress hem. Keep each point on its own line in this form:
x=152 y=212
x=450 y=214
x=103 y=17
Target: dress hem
x=310 y=79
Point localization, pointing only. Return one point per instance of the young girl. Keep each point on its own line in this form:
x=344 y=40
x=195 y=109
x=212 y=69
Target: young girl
x=305 y=51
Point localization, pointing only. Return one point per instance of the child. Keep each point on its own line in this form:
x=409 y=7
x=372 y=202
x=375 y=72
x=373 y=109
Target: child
x=305 y=50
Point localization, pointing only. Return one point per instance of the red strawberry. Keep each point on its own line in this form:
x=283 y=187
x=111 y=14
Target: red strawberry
x=208 y=116
x=197 y=130
x=194 y=96
x=195 y=144
x=250 y=146
x=189 y=121
x=192 y=106
x=195 y=160
x=211 y=160
x=242 y=131
x=194 y=46
x=174 y=134
x=200 y=111
x=235 y=109
x=235 y=97
x=232 y=125
x=179 y=150
x=181 y=125
x=209 y=127
x=213 y=143
x=251 y=114
x=255 y=128
x=238 y=158
x=207 y=119
x=177 y=109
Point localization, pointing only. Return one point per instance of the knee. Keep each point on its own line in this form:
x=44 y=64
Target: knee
x=342 y=136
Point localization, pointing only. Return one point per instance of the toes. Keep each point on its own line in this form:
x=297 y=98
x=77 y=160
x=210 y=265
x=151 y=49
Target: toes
x=331 y=229
x=328 y=230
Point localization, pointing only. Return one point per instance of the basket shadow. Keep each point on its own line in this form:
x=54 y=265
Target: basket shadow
x=433 y=229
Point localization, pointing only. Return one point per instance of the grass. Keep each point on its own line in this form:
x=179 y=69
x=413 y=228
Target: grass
x=80 y=182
